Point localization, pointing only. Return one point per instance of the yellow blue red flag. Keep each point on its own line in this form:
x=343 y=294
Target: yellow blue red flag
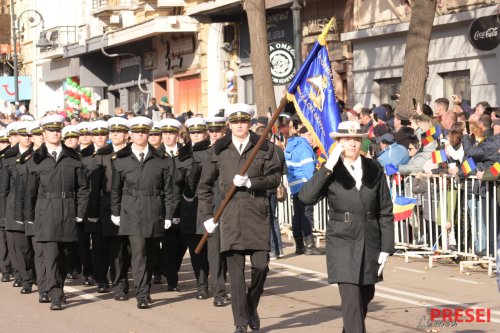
x=313 y=93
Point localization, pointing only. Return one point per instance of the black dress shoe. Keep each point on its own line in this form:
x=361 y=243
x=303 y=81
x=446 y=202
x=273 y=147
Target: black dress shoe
x=44 y=297
x=222 y=301
x=254 y=322
x=201 y=294
x=17 y=283
x=56 y=304
x=240 y=329
x=173 y=288
x=5 y=277
x=142 y=303
x=71 y=276
x=149 y=299
x=121 y=296
x=89 y=281
x=102 y=288
x=26 y=290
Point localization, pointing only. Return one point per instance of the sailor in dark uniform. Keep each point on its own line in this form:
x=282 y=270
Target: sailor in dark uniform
x=5 y=263
x=216 y=126
x=143 y=200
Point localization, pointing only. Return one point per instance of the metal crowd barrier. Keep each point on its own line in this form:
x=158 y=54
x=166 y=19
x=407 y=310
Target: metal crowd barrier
x=453 y=218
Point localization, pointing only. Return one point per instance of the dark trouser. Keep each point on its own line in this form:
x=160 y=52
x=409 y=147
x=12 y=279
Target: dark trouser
x=276 y=244
x=118 y=256
x=244 y=304
x=84 y=256
x=354 y=301
x=99 y=258
x=9 y=237
x=40 y=270
x=21 y=255
x=217 y=264
x=198 y=261
x=303 y=217
x=56 y=256
x=5 y=264
x=173 y=249
x=143 y=252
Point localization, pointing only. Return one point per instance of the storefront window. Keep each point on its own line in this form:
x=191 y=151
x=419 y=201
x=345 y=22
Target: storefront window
x=456 y=83
x=137 y=100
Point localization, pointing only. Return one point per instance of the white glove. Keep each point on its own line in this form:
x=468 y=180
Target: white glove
x=176 y=220
x=241 y=181
x=334 y=157
x=168 y=224
x=78 y=219
x=93 y=220
x=210 y=225
x=115 y=220
x=382 y=259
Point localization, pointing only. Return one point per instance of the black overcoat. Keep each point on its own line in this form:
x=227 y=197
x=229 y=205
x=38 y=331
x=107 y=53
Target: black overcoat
x=353 y=247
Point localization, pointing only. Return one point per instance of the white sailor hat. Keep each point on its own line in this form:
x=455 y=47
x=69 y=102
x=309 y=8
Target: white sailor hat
x=156 y=129
x=70 y=131
x=195 y=124
x=52 y=122
x=12 y=128
x=26 y=117
x=215 y=123
x=84 y=128
x=239 y=111
x=349 y=129
x=99 y=127
x=118 y=124
x=4 y=138
x=140 y=124
x=34 y=128
x=22 y=127
x=170 y=125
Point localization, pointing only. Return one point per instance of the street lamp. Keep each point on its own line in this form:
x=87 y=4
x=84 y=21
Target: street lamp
x=42 y=42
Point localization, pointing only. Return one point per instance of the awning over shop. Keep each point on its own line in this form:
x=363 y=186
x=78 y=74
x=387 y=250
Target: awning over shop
x=216 y=11
x=156 y=26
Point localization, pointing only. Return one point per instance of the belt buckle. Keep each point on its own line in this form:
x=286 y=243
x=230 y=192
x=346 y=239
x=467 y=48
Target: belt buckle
x=63 y=195
x=346 y=217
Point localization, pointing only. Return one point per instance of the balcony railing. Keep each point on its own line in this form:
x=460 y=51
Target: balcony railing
x=99 y=6
x=59 y=36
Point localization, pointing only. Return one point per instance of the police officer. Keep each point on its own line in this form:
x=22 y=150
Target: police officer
x=116 y=251
x=194 y=153
x=142 y=202
x=56 y=198
x=244 y=226
x=216 y=126
x=21 y=253
x=360 y=231
x=5 y=263
x=173 y=244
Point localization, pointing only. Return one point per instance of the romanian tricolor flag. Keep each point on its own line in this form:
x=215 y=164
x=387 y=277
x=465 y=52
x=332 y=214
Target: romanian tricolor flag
x=495 y=169
x=439 y=156
x=468 y=166
x=431 y=135
x=313 y=93
x=403 y=208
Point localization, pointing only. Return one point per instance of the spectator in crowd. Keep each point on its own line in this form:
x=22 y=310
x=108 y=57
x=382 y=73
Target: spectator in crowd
x=167 y=108
x=441 y=105
x=119 y=112
x=484 y=123
x=300 y=161
x=461 y=105
x=365 y=119
x=392 y=152
x=420 y=160
x=448 y=119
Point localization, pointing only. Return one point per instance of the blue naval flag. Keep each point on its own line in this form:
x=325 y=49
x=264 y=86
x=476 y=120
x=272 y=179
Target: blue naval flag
x=313 y=93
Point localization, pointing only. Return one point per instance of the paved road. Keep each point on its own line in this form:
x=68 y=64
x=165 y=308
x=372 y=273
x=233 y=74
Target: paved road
x=296 y=299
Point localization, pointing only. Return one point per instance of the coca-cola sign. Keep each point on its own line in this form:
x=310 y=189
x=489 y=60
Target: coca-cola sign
x=484 y=33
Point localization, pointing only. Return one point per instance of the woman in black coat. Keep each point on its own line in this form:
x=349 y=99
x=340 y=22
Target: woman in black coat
x=360 y=230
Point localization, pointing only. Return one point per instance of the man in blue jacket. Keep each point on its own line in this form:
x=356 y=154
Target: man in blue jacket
x=300 y=160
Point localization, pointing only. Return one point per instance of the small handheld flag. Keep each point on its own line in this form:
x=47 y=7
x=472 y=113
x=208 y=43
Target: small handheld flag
x=468 y=166
x=495 y=169
x=439 y=156
x=390 y=169
x=403 y=208
x=431 y=135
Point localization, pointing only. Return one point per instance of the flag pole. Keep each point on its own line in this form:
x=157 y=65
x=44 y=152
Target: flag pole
x=243 y=171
